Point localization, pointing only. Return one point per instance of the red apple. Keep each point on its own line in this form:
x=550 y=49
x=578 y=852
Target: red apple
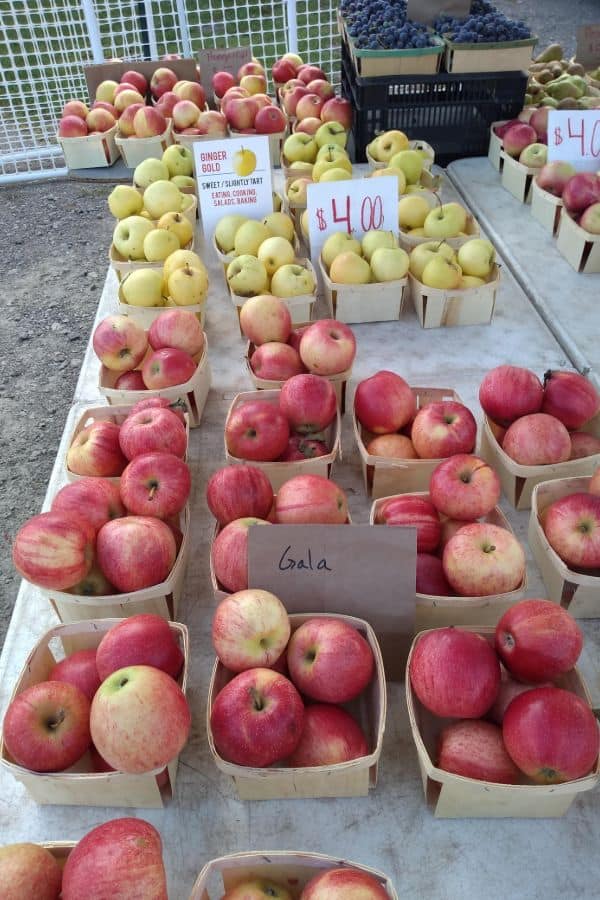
x=80 y=670
x=275 y=361
x=256 y=430
x=250 y=629
x=454 y=673
x=300 y=447
x=464 y=487
x=100 y=120
x=482 y=560
x=141 y=640
x=292 y=97
x=501 y=129
x=153 y=430
x=475 y=749
x=149 y=122
x=221 y=82
x=509 y=689
x=265 y=318
x=72 y=126
x=28 y=870
x=418 y=512
x=537 y=640
x=177 y=407
x=583 y=444
x=570 y=397
x=330 y=736
x=136 y=79
x=443 y=428
x=307 y=73
x=234 y=492
x=553 y=177
x=167 y=367
x=270 y=120
x=257 y=718
x=177 y=328
x=94 y=499
x=46 y=727
x=328 y=347
x=509 y=392
x=308 y=106
x=449 y=529
x=295 y=334
x=338 y=109
x=229 y=553
x=321 y=87
x=125 y=120
x=163 y=79
x=95 y=451
x=581 y=191
x=551 y=734
x=102 y=104
x=329 y=660
x=430 y=576
x=54 y=550
x=392 y=446
x=166 y=104
x=125 y=85
x=156 y=484
x=212 y=122
x=135 y=552
x=572 y=527
x=250 y=68
x=130 y=381
x=537 y=440
x=517 y=137
x=241 y=112
x=308 y=402
x=311 y=500
x=309 y=125
x=119 y=343
x=75 y=108
x=384 y=403
x=344 y=884
x=283 y=70
x=191 y=90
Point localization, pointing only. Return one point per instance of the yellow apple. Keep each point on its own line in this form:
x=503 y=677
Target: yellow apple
x=387 y=145
x=411 y=164
x=296 y=192
x=179 y=259
x=149 y=171
x=445 y=221
x=301 y=168
x=389 y=263
x=470 y=281
x=300 y=147
x=412 y=211
x=398 y=174
x=371 y=240
x=423 y=253
x=129 y=234
x=442 y=273
x=143 y=288
x=276 y=201
x=226 y=230
x=160 y=243
x=184 y=181
x=247 y=276
x=292 y=280
x=125 y=201
x=336 y=243
x=304 y=223
x=416 y=232
x=178 y=224
x=275 y=252
x=249 y=237
x=350 y=268
x=161 y=197
x=106 y=91
x=280 y=225
x=332 y=151
x=188 y=286
x=477 y=257
x=325 y=165
x=336 y=174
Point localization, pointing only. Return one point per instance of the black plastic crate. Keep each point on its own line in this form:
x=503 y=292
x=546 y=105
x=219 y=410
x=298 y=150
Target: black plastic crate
x=453 y=113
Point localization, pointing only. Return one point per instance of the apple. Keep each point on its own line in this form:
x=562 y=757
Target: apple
x=344 y=884
x=477 y=257
x=191 y=90
x=464 y=487
x=212 y=122
x=443 y=428
x=264 y=319
x=270 y=120
x=454 y=673
x=327 y=163
x=101 y=104
x=95 y=451
x=413 y=511
x=509 y=392
x=229 y=553
x=176 y=406
x=538 y=640
x=389 y=264
x=412 y=211
x=124 y=201
x=330 y=736
x=162 y=197
x=475 y=749
x=241 y=112
x=309 y=105
x=536 y=440
x=257 y=718
x=299 y=147
x=583 y=444
x=250 y=68
x=156 y=484
x=94 y=499
x=301 y=447
x=308 y=402
x=46 y=727
x=125 y=120
x=392 y=446
x=54 y=550
x=283 y=70
x=482 y=559
x=296 y=192
x=517 y=137
x=28 y=870
x=328 y=347
x=410 y=162
x=427 y=251
x=388 y=144
x=179 y=329
x=551 y=734
x=234 y=492
x=535 y=156
x=257 y=889
x=162 y=80
x=446 y=220
x=337 y=243
x=250 y=629
x=275 y=361
x=275 y=252
x=554 y=176
x=120 y=857
x=158 y=244
x=590 y=219
x=293 y=280
x=311 y=500
x=75 y=108
x=350 y=268
x=280 y=224
x=136 y=79
x=581 y=191
x=187 y=285
x=570 y=397
x=430 y=576
x=149 y=171
x=135 y=552
x=337 y=109
x=442 y=274
x=153 y=430
x=106 y=90
x=185 y=114
x=80 y=670
x=572 y=527
x=256 y=430
x=72 y=126
x=141 y=640
x=254 y=84
x=178 y=160
x=128 y=97
x=307 y=73
x=247 y=276
x=100 y=120
x=384 y=403
x=221 y=82
x=129 y=234
x=509 y=689
x=167 y=367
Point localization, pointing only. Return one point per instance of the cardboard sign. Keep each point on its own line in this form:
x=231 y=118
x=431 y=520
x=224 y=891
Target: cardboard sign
x=574 y=136
x=358 y=570
x=185 y=69
x=233 y=175
x=221 y=59
x=356 y=206
x=588 y=46
x=426 y=11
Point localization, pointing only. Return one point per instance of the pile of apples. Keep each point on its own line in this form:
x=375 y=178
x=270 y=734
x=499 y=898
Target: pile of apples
x=241 y=496
x=407 y=164
x=438 y=265
x=376 y=257
x=260 y=718
x=159 y=228
x=183 y=281
x=78 y=120
x=311 y=156
x=540 y=424
x=176 y=165
x=329 y=884
x=280 y=352
x=572 y=527
x=514 y=724
x=526 y=141
x=305 y=93
x=166 y=90
x=444 y=221
x=133 y=846
x=120 y=703
x=245 y=105
x=581 y=199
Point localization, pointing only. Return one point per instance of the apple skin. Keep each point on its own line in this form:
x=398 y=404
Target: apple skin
x=553 y=177
x=136 y=79
x=94 y=499
x=250 y=629
x=308 y=402
x=302 y=447
x=142 y=640
x=583 y=444
x=28 y=870
x=120 y=858
x=581 y=191
x=229 y=553
x=443 y=428
x=270 y=120
x=72 y=126
x=257 y=718
x=337 y=109
x=167 y=367
x=177 y=328
x=509 y=392
x=572 y=527
x=95 y=451
x=509 y=689
x=310 y=500
x=430 y=576
x=329 y=660
x=384 y=403
x=551 y=734
x=538 y=640
x=119 y=343
x=130 y=381
x=79 y=669
x=454 y=673
x=330 y=736
x=392 y=446
x=517 y=137
x=464 y=487
x=256 y=430
x=537 y=440
x=53 y=550
x=328 y=347
x=176 y=406
x=482 y=560
x=156 y=484
x=275 y=361
x=234 y=492
x=257 y=889
x=344 y=884
x=265 y=318
x=46 y=727
x=153 y=430
x=135 y=552
x=570 y=397
x=474 y=748
x=162 y=80
x=419 y=512
x=221 y=82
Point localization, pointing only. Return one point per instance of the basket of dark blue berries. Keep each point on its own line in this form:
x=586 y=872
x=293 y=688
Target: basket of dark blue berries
x=485 y=41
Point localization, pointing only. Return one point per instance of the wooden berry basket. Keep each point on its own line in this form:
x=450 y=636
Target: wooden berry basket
x=290 y=868
x=226 y=258
x=289 y=173
x=359 y=303
x=517 y=178
x=135 y=150
x=495 y=146
x=193 y=392
x=79 y=785
x=349 y=779
x=92 y=151
x=519 y=481
x=409 y=242
x=428 y=158
x=145 y=315
x=433 y=611
x=452 y=796
x=577 y=592
x=498 y=56
x=579 y=247
x=546 y=208
x=437 y=307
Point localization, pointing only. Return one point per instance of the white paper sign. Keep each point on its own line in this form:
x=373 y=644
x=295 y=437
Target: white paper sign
x=355 y=206
x=574 y=136
x=233 y=175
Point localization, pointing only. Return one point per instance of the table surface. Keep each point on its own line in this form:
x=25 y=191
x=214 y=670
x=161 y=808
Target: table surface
x=392 y=829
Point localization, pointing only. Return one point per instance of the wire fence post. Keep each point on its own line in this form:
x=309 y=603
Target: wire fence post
x=91 y=22
x=292 y=20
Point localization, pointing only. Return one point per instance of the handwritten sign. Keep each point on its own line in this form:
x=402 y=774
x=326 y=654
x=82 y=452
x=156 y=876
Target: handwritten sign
x=574 y=136
x=588 y=46
x=358 y=570
x=221 y=59
x=355 y=206
x=233 y=176
x=427 y=10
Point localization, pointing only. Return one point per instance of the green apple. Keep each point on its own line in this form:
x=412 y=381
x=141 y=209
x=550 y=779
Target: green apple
x=247 y=276
x=178 y=160
x=226 y=230
x=249 y=237
x=336 y=174
x=181 y=227
x=425 y=252
x=300 y=147
x=442 y=273
x=469 y=281
x=143 y=288
x=412 y=211
x=445 y=221
x=280 y=224
x=325 y=165
x=274 y=253
x=148 y=171
x=477 y=257
x=178 y=260
x=387 y=145
x=296 y=192
x=336 y=243
x=350 y=268
x=292 y=280
x=534 y=156
x=332 y=151
x=124 y=200
x=184 y=181
x=331 y=133
x=160 y=243
x=389 y=263
x=161 y=197
x=398 y=174
x=186 y=200
x=411 y=164
x=129 y=234
x=373 y=239
x=188 y=286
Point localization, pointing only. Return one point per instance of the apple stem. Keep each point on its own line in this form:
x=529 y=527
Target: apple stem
x=547 y=376
x=256 y=699
x=152 y=491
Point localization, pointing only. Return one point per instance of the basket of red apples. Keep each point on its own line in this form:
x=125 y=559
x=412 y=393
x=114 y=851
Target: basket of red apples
x=470 y=565
x=403 y=432
x=88 y=135
x=98 y=715
x=524 y=152
x=578 y=238
x=170 y=360
x=564 y=537
x=534 y=431
x=501 y=719
x=297 y=703
x=290 y=875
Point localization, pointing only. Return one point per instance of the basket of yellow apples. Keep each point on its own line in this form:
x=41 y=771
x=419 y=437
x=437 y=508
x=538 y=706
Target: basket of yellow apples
x=230 y=239
x=302 y=149
x=419 y=222
x=387 y=145
x=182 y=281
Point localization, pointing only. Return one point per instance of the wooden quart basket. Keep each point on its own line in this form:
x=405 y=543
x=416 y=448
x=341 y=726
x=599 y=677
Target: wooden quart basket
x=580 y=248
x=517 y=179
x=135 y=150
x=359 y=303
x=92 y=151
x=300 y=307
x=546 y=208
x=437 y=307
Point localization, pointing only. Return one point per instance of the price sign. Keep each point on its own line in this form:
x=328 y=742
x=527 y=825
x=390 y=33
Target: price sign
x=233 y=176
x=588 y=46
x=354 y=206
x=574 y=136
